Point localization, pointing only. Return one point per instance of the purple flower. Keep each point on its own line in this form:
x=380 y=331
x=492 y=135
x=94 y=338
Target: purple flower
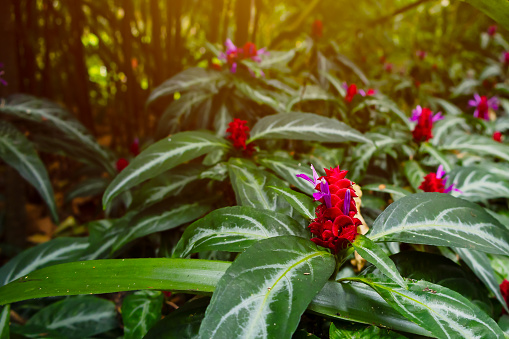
x=346 y=203
x=2 y=81
x=324 y=187
x=236 y=54
x=314 y=181
x=441 y=175
x=482 y=106
x=416 y=113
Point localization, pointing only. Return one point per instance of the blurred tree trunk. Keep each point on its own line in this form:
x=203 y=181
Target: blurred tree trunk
x=47 y=88
x=80 y=76
x=157 y=50
x=169 y=39
x=258 y=7
x=226 y=19
x=242 y=16
x=215 y=18
x=177 y=48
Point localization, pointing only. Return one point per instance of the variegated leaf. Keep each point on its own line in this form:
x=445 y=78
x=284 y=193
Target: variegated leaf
x=305 y=126
x=267 y=288
x=19 y=153
x=476 y=144
x=375 y=255
x=307 y=93
x=442 y=129
x=5 y=320
x=302 y=203
x=442 y=220
x=234 y=229
x=439 y=156
x=414 y=173
x=480 y=264
x=259 y=95
x=498 y=10
x=396 y=191
x=140 y=311
x=476 y=183
x=88 y=188
x=56 y=251
x=443 y=312
x=162 y=156
x=345 y=330
x=288 y=170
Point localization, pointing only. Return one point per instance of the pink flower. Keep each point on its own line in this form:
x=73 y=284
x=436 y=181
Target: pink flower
x=435 y=182
x=2 y=81
x=352 y=91
x=482 y=106
x=425 y=119
x=234 y=55
x=135 y=147
x=497 y=136
x=421 y=54
x=388 y=67
x=492 y=30
x=505 y=58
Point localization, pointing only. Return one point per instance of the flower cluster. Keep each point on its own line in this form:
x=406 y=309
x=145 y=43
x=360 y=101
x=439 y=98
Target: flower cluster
x=492 y=30
x=239 y=133
x=352 y=91
x=234 y=55
x=435 y=182
x=504 y=58
x=483 y=105
x=425 y=119
x=134 y=149
x=504 y=290
x=421 y=54
x=335 y=226
x=317 y=29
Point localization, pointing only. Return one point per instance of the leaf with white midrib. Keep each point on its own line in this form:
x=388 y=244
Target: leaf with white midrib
x=301 y=202
x=305 y=126
x=162 y=156
x=442 y=220
x=234 y=229
x=476 y=183
x=140 y=311
x=476 y=144
x=266 y=289
x=443 y=312
x=288 y=170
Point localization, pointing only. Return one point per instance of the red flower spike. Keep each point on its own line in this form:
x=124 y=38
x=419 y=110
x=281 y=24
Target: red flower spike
x=239 y=133
x=432 y=184
x=497 y=136
x=422 y=131
x=351 y=92
x=504 y=290
x=135 y=147
x=121 y=164
x=317 y=29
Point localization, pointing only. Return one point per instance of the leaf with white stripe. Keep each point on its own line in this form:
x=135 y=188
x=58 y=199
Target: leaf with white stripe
x=87 y=188
x=443 y=128
x=259 y=95
x=476 y=144
x=76 y=317
x=395 y=191
x=309 y=93
x=18 y=152
x=305 y=126
x=288 y=170
x=442 y=220
x=443 y=312
x=426 y=147
x=414 y=173
x=4 y=322
x=234 y=229
x=140 y=311
x=267 y=288
x=480 y=264
x=53 y=252
x=476 y=183
x=251 y=186
x=302 y=203
x=162 y=156
x=375 y=255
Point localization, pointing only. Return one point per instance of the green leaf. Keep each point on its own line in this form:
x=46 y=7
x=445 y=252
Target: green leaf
x=414 y=173
x=476 y=144
x=384 y=104
x=448 y=107
x=288 y=170
x=442 y=220
x=19 y=153
x=396 y=191
x=234 y=229
x=466 y=87
x=355 y=331
x=4 y=322
x=350 y=64
x=88 y=188
x=259 y=95
x=476 y=183
x=140 y=311
x=192 y=78
x=443 y=128
x=115 y=275
x=359 y=303
x=305 y=126
x=276 y=59
x=53 y=252
x=162 y=156
x=308 y=93
x=441 y=311
x=426 y=147
x=302 y=203
x=251 y=185
x=498 y=10
x=375 y=255
x=480 y=264
x=76 y=317
x=267 y=288
x=181 y=323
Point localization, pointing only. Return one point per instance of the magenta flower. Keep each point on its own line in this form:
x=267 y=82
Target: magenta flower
x=314 y=181
x=504 y=58
x=234 y=54
x=492 y=30
x=2 y=81
x=435 y=182
x=482 y=106
x=417 y=112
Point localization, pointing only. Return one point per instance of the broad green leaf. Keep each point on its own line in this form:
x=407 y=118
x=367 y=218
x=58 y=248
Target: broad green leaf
x=442 y=220
x=350 y=64
x=476 y=144
x=476 y=183
x=396 y=191
x=384 y=104
x=219 y=172
x=267 y=288
x=441 y=311
x=443 y=128
x=498 y=10
x=360 y=303
x=361 y=332
x=234 y=229
x=140 y=311
x=115 y=275
x=182 y=323
x=251 y=185
x=19 y=153
x=53 y=252
x=466 y=87
x=288 y=170
x=335 y=82
x=501 y=169
x=4 y=322
x=59 y=121
x=305 y=126
x=375 y=255
x=76 y=317
x=191 y=78
x=88 y=188
x=276 y=59
x=259 y=95
x=448 y=107
x=439 y=156
x=221 y=120
x=503 y=322
x=480 y=264
x=308 y=93
x=414 y=173
x=302 y=203
x=162 y=156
